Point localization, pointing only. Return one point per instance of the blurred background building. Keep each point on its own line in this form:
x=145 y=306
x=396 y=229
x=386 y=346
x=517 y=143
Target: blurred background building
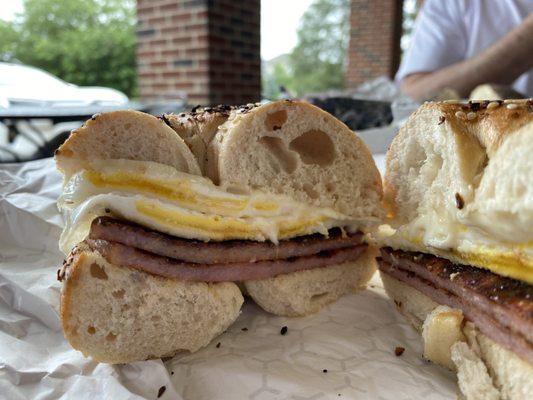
x=208 y=51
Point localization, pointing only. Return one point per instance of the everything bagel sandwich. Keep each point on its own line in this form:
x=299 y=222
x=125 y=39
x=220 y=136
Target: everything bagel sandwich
x=458 y=261
x=169 y=220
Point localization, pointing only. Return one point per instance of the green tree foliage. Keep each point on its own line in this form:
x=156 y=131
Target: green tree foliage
x=318 y=59
x=86 y=42
x=317 y=63
x=8 y=37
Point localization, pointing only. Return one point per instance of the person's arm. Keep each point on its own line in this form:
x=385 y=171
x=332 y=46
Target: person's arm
x=502 y=62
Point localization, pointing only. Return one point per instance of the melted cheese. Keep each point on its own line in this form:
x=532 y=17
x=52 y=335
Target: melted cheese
x=505 y=263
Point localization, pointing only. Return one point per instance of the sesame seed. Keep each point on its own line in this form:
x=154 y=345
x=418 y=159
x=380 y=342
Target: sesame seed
x=325 y=371
x=283 y=330
x=471 y=115
x=460 y=115
x=218 y=345
x=451 y=101
x=512 y=106
x=453 y=276
x=492 y=104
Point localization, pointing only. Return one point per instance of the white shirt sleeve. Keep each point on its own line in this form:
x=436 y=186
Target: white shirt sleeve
x=439 y=38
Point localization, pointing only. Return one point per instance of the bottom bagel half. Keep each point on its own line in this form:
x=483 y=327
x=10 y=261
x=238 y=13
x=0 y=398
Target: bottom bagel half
x=471 y=320
x=131 y=294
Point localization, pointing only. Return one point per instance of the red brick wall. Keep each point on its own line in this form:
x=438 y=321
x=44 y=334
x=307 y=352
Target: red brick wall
x=207 y=50
x=375 y=33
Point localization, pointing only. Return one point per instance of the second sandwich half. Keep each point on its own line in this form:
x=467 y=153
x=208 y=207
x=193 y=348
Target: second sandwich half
x=169 y=220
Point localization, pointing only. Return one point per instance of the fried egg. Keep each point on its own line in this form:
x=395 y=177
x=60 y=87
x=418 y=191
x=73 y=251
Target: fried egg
x=188 y=206
x=462 y=239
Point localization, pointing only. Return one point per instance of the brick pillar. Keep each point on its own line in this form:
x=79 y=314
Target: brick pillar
x=207 y=50
x=235 y=52
x=375 y=33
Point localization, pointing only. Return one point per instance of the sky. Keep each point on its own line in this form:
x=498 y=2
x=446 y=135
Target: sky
x=279 y=21
x=9 y=8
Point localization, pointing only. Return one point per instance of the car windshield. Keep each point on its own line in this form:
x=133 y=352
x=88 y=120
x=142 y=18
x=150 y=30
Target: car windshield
x=17 y=75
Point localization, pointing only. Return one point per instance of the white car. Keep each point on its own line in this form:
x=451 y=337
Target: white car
x=26 y=86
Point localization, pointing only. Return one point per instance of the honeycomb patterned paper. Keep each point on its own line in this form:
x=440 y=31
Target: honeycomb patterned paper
x=349 y=350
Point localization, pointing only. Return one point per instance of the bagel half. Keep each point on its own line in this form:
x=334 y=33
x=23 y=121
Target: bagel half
x=285 y=171
x=458 y=261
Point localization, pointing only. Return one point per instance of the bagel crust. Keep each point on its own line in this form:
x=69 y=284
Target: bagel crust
x=124 y=298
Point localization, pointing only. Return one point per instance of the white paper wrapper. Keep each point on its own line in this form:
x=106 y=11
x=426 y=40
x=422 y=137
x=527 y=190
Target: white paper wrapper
x=353 y=339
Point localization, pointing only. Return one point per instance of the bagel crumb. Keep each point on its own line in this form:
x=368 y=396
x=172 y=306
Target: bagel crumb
x=453 y=276
x=398 y=351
